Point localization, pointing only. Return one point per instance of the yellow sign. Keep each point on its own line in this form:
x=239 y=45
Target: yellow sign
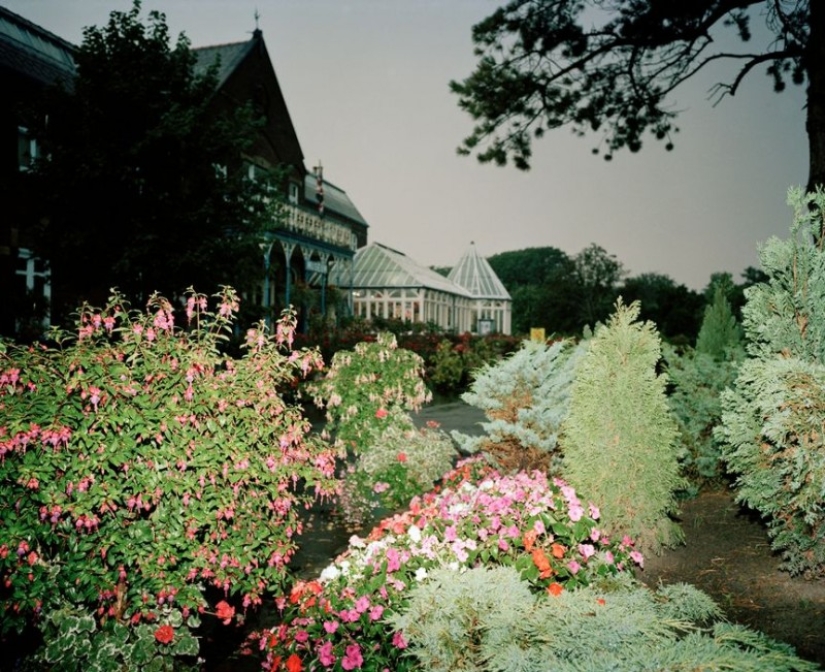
x=537 y=334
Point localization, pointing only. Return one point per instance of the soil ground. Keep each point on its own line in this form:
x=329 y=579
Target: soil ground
x=726 y=554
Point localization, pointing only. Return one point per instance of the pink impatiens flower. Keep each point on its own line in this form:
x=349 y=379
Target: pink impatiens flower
x=325 y=654
x=352 y=659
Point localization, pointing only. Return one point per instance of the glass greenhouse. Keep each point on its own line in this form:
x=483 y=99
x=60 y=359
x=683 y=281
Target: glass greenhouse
x=388 y=284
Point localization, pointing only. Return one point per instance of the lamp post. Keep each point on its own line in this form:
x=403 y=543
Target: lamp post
x=266 y=248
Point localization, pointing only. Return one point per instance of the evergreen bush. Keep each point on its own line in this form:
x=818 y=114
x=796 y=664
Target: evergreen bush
x=525 y=397
x=720 y=332
x=698 y=378
x=486 y=620
x=772 y=421
x=620 y=436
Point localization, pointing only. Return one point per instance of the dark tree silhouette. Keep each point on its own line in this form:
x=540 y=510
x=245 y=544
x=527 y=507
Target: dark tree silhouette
x=143 y=186
x=609 y=67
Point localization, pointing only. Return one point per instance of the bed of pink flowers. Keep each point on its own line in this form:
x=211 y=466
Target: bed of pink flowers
x=476 y=517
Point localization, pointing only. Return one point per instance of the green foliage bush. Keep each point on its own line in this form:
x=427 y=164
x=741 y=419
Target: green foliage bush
x=698 y=378
x=698 y=382
x=142 y=472
x=368 y=394
x=772 y=420
x=368 y=389
x=620 y=437
x=486 y=620
x=526 y=398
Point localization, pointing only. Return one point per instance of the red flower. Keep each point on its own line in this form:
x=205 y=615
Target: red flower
x=293 y=663
x=402 y=457
x=542 y=563
x=224 y=611
x=165 y=634
x=555 y=589
x=558 y=551
x=381 y=413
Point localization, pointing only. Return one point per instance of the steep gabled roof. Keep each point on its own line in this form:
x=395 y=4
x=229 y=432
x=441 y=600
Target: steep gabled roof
x=475 y=274
x=245 y=73
x=229 y=56
x=33 y=52
x=380 y=267
x=335 y=199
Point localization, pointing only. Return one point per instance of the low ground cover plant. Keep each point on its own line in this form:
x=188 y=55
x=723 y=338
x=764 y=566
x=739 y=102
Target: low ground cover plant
x=487 y=620
x=148 y=482
x=477 y=517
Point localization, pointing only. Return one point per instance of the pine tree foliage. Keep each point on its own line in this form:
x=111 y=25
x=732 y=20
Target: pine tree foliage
x=698 y=381
x=485 y=620
x=526 y=398
x=772 y=431
x=719 y=331
x=698 y=378
x=620 y=446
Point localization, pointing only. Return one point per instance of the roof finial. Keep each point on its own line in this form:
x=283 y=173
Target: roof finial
x=257 y=32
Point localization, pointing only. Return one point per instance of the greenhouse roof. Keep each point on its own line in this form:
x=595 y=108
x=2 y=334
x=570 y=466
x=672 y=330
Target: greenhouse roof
x=378 y=266
x=475 y=274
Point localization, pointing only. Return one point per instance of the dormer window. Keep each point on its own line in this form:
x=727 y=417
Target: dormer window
x=293 y=193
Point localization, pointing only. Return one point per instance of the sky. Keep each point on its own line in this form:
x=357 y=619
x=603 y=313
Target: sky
x=367 y=87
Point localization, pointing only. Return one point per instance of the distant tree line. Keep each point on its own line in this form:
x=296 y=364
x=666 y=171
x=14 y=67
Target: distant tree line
x=564 y=294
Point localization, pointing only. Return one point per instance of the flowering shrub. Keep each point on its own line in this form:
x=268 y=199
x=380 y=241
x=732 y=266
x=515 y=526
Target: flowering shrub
x=478 y=517
x=138 y=468
x=370 y=388
x=401 y=464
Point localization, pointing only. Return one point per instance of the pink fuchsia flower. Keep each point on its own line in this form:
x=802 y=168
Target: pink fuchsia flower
x=381 y=413
x=330 y=627
x=362 y=604
x=594 y=512
x=352 y=659
x=574 y=567
x=638 y=558
x=376 y=612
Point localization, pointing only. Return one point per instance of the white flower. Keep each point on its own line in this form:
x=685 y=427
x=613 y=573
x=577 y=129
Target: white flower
x=420 y=574
x=330 y=573
x=414 y=533
x=356 y=542
x=453 y=566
